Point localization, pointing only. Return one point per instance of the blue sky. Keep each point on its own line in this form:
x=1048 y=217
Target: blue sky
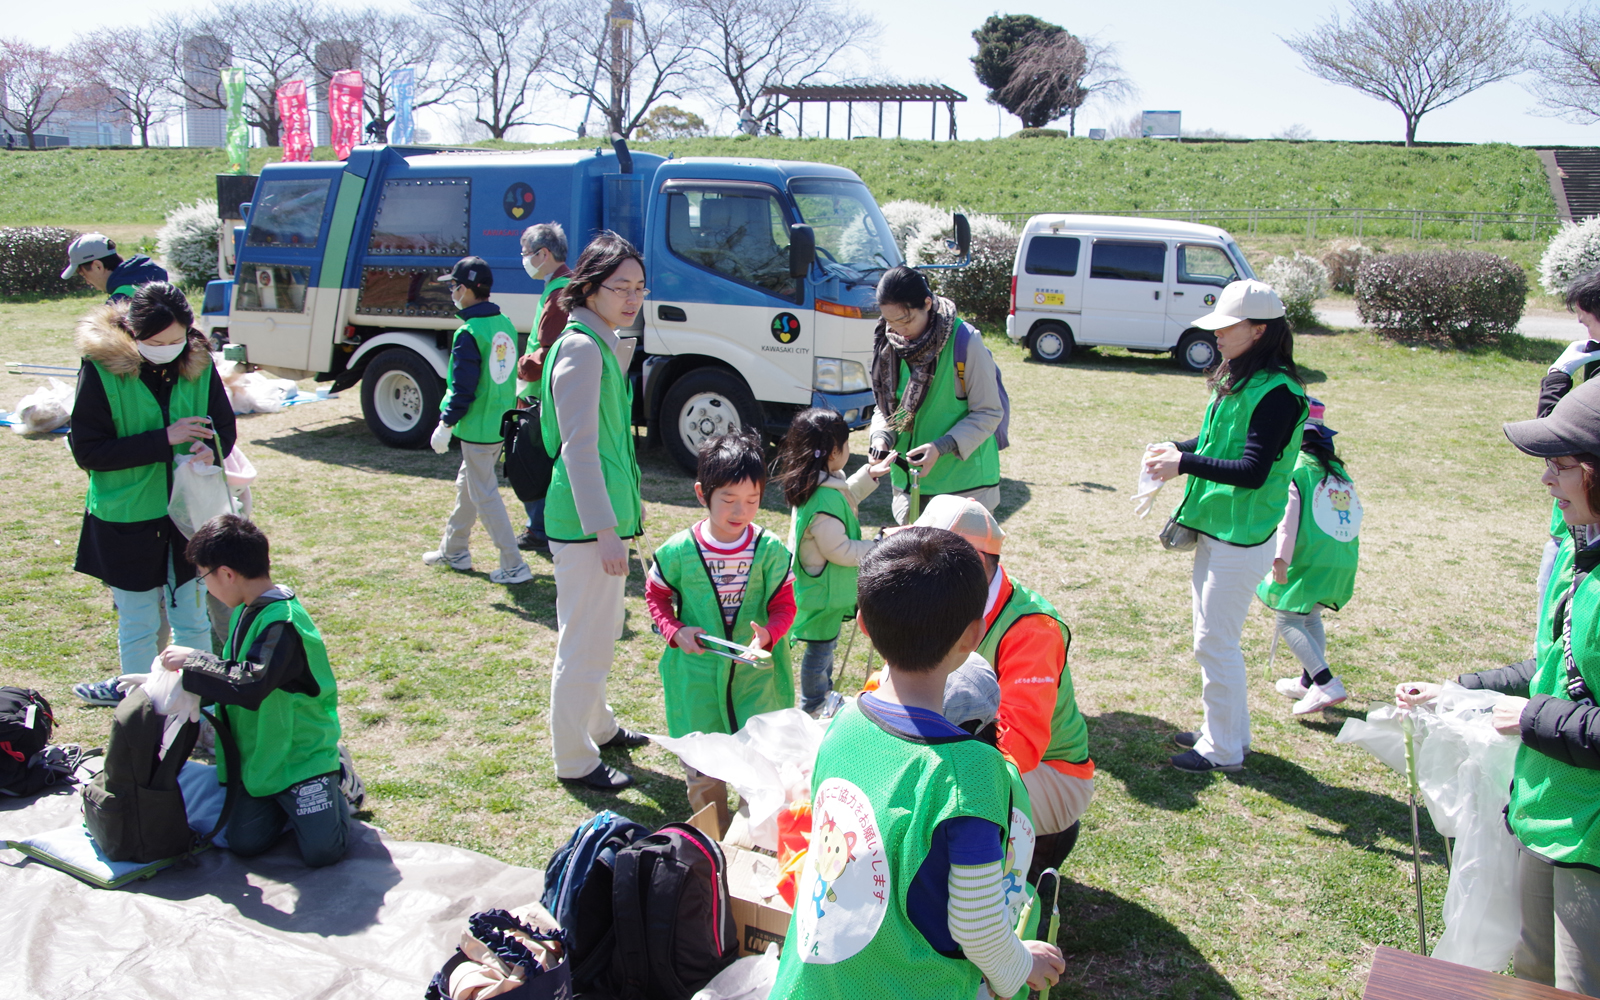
x=1223 y=65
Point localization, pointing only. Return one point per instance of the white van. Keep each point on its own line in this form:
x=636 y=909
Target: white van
x=1131 y=283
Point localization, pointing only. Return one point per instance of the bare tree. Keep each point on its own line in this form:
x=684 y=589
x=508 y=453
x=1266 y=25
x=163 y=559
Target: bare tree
x=1417 y=55
x=1057 y=73
x=752 y=45
x=263 y=36
x=123 y=68
x=625 y=61
x=36 y=84
x=1568 y=65
x=498 y=47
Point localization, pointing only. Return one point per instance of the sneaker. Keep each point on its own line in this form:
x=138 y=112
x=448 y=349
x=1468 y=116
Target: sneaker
x=350 y=783
x=1293 y=688
x=461 y=562
x=103 y=692
x=831 y=706
x=520 y=574
x=1193 y=763
x=1320 y=696
x=529 y=542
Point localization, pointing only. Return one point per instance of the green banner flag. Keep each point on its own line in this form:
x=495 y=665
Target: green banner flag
x=238 y=131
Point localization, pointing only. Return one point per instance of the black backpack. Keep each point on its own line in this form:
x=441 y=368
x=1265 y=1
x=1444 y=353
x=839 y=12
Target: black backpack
x=668 y=929
x=25 y=728
x=134 y=808
x=528 y=467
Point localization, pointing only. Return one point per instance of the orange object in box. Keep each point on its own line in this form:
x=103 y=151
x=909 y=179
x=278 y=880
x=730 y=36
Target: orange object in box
x=794 y=836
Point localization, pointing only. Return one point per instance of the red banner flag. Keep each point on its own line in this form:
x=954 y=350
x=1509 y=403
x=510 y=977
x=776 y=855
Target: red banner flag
x=344 y=111
x=294 y=130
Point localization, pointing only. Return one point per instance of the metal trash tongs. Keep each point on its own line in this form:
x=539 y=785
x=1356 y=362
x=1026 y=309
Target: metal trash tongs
x=748 y=655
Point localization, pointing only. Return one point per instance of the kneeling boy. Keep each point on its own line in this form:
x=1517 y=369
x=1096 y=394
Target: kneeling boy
x=902 y=893
x=276 y=690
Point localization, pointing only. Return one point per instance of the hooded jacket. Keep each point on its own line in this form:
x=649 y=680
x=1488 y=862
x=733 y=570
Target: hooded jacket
x=130 y=274
x=133 y=556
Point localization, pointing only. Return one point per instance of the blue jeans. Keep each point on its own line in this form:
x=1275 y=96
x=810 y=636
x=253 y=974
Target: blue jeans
x=314 y=809
x=816 y=674
x=535 y=525
x=139 y=621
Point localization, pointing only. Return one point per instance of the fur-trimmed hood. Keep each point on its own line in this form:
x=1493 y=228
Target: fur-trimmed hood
x=101 y=337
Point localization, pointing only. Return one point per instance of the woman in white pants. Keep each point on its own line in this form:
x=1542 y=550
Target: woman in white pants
x=1239 y=468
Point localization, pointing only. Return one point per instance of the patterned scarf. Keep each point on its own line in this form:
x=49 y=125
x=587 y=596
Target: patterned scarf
x=920 y=355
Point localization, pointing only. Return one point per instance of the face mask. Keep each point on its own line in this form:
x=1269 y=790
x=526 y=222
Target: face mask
x=532 y=269
x=454 y=300
x=161 y=355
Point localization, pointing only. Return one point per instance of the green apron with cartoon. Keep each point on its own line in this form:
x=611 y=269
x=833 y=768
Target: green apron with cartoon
x=142 y=493
x=941 y=410
x=496 y=388
x=709 y=693
x=617 y=461
x=823 y=601
x=1069 y=734
x=1233 y=513
x=1327 y=545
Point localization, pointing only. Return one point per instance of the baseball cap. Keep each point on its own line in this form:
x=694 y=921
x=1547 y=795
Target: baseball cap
x=972 y=694
x=967 y=518
x=470 y=271
x=89 y=246
x=1242 y=300
x=1572 y=428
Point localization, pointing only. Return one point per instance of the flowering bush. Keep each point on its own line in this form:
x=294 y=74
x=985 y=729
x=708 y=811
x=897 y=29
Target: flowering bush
x=1573 y=252
x=31 y=258
x=906 y=217
x=1299 y=281
x=1458 y=297
x=1342 y=262
x=188 y=242
x=982 y=289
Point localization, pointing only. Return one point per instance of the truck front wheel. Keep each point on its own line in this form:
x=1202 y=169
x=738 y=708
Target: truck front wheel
x=704 y=404
x=400 y=394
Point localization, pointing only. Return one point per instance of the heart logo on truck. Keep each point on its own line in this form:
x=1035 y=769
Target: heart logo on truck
x=518 y=201
x=1210 y=300
x=785 y=328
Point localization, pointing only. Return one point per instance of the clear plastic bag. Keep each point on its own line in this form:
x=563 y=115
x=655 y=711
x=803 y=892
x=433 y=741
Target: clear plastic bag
x=241 y=473
x=44 y=409
x=199 y=493
x=750 y=978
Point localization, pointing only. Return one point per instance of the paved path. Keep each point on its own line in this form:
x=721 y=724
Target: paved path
x=1543 y=324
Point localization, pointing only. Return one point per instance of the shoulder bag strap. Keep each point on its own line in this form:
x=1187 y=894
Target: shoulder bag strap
x=628 y=891
x=1577 y=687
x=219 y=722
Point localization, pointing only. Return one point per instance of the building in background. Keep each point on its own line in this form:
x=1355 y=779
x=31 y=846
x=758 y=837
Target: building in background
x=204 y=58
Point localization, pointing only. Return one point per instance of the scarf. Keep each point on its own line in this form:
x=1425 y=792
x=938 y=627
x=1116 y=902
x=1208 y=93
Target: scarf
x=920 y=355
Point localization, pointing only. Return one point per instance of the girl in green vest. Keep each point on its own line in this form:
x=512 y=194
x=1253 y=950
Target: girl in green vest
x=825 y=537
x=147 y=393
x=1549 y=704
x=1238 y=489
x=1314 y=565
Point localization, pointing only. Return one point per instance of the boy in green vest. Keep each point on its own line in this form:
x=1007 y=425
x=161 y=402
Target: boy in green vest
x=728 y=577
x=903 y=889
x=480 y=388
x=94 y=258
x=544 y=257
x=277 y=691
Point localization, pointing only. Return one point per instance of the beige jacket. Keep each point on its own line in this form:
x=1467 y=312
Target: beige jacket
x=575 y=390
x=825 y=540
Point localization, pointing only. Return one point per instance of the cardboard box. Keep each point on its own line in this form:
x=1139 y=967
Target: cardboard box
x=761 y=919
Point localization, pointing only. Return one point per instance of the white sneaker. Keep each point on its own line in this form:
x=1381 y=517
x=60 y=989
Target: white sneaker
x=461 y=562
x=1293 y=688
x=1320 y=696
x=519 y=574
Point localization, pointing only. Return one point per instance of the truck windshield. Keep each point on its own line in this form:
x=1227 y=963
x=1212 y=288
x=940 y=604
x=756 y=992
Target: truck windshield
x=851 y=233
x=288 y=213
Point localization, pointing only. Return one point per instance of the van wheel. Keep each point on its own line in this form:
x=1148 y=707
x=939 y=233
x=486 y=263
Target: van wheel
x=701 y=405
x=400 y=394
x=1196 y=351
x=1050 y=343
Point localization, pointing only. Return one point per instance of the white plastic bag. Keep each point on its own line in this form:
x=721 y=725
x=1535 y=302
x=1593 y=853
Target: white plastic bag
x=253 y=392
x=1144 y=495
x=750 y=978
x=44 y=409
x=241 y=473
x=199 y=493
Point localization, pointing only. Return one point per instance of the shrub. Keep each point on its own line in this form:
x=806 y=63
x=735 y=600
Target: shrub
x=982 y=289
x=1458 y=297
x=31 y=259
x=1342 y=262
x=906 y=217
x=1300 y=281
x=1040 y=133
x=1573 y=252
x=188 y=242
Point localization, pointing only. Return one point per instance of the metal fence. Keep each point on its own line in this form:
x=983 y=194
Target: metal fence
x=1416 y=224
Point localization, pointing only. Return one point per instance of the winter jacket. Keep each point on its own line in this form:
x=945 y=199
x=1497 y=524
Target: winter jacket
x=126 y=278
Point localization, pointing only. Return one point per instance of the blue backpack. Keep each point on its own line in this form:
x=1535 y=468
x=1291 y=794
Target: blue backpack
x=965 y=334
x=592 y=848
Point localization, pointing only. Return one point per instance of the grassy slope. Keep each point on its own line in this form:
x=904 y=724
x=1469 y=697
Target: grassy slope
x=1277 y=882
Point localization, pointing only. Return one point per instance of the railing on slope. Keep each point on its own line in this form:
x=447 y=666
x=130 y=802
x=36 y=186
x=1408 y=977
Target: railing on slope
x=1413 y=223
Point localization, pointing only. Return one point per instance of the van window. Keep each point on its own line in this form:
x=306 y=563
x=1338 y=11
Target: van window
x=737 y=232
x=1123 y=260
x=273 y=287
x=424 y=216
x=1053 y=255
x=287 y=213
x=403 y=291
x=1205 y=265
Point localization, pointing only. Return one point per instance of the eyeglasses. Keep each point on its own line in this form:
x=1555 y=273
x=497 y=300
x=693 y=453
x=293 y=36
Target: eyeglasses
x=1557 y=468
x=625 y=294
x=207 y=573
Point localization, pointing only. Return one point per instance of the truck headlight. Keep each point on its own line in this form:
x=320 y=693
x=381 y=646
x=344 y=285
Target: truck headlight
x=839 y=375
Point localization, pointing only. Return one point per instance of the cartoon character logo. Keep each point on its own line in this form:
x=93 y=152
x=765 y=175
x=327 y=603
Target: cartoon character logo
x=831 y=850
x=499 y=352
x=500 y=360
x=848 y=872
x=1340 y=499
x=785 y=328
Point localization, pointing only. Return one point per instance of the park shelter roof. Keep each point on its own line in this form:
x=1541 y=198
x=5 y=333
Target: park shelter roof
x=871 y=92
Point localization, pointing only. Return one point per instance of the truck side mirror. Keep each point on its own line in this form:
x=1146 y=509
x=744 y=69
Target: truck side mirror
x=802 y=250
x=244 y=209
x=963 y=235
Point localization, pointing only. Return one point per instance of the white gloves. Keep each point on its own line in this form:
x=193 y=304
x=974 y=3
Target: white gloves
x=440 y=441
x=1577 y=354
x=1144 y=497
x=165 y=688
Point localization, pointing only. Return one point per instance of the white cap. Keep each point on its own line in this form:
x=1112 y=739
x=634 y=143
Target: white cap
x=1240 y=301
x=967 y=518
x=86 y=248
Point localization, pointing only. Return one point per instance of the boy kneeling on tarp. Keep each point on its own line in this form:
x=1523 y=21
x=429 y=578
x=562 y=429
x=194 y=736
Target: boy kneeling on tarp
x=277 y=691
x=902 y=893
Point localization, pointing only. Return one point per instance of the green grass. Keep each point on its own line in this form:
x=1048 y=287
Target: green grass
x=1275 y=882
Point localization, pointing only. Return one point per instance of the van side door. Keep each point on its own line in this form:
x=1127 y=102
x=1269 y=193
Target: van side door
x=1123 y=298
x=1203 y=270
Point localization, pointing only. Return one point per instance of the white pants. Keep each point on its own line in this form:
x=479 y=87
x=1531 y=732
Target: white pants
x=478 y=499
x=1224 y=583
x=1058 y=800
x=900 y=503
x=589 y=616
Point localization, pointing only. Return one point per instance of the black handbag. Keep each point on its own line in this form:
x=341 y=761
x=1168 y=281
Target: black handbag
x=528 y=467
x=1176 y=537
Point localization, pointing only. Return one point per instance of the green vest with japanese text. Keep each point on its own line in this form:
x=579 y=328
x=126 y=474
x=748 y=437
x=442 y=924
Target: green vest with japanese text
x=497 y=387
x=940 y=411
x=823 y=601
x=615 y=443
x=1069 y=734
x=1233 y=513
x=1327 y=545
x=143 y=492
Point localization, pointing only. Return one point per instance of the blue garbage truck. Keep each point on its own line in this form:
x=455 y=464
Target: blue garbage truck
x=761 y=276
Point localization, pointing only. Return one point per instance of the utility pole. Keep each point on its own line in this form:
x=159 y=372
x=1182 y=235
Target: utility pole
x=621 y=62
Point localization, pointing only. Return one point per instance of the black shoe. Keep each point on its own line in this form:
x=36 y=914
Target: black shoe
x=1186 y=740
x=529 y=542
x=602 y=779
x=1192 y=762
x=626 y=739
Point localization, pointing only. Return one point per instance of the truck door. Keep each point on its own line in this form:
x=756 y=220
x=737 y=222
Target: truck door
x=277 y=304
x=1123 y=296
x=1202 y=271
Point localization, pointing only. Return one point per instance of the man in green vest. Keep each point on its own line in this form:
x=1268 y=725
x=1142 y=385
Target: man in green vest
x=544 y=257
x=94 y=258
x=479 y=390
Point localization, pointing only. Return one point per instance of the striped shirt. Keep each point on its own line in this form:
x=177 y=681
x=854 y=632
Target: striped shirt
x=729 y=565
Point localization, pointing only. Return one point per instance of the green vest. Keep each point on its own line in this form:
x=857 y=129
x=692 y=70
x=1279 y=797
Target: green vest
x=143 y=492
x=876 y=799
x=1555 y=807
x=125 y=291
x=1327 y=545
x=940 y=411
x=551 y=287
x=1069 y=734
x=617 y=462
x=822 y=601
x=291 y=737
x=497 y=387
x=1232 y=513
x=708 y=693
x=1558 y=524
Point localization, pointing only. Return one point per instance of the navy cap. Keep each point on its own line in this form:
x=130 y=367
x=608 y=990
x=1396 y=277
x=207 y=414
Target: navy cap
x=470 y=271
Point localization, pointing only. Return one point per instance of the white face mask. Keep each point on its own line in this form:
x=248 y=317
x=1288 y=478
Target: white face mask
x=532 y=269
x=160 y=355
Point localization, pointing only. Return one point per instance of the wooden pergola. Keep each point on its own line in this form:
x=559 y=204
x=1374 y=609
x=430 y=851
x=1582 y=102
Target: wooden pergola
x=933 y=94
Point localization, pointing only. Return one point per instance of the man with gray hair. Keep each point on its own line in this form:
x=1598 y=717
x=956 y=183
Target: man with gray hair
x=544 y=257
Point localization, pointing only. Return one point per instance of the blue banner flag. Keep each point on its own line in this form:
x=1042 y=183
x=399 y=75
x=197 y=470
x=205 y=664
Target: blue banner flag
x=404 y=81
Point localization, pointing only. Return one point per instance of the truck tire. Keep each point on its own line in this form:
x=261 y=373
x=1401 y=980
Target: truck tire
x=400 y=394
x=702 y=404
x=1196 y=351
x=1050 y=342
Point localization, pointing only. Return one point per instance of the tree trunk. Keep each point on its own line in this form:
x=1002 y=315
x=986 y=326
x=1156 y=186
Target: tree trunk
x=1072 y=122
x=144 y=134
x=1411 y=130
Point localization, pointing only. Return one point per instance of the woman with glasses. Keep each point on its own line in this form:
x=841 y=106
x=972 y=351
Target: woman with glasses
x=147 y=393
x=593 y=505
